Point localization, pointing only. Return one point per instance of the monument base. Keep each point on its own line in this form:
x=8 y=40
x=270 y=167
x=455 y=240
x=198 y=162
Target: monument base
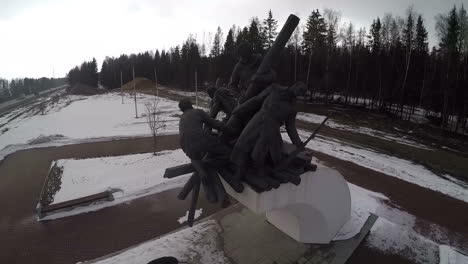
x=312 y=212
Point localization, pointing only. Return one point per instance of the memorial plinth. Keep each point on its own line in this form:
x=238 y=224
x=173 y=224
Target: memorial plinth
x=311 y=212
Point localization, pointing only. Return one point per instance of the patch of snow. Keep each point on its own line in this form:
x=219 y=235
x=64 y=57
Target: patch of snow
x=201 y=94
x=133 y=175
x=317 y=119
x=129 y=173
x=448 y=255
x=41 y=139
x=427 y=229
x=394 y=239
x=392 y=166
x=363 y=202
x=184 y=218
x=199 y=244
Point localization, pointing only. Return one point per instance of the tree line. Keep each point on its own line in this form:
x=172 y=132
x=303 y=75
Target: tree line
x=87 y=74
x=26 y=86
x=387 y=67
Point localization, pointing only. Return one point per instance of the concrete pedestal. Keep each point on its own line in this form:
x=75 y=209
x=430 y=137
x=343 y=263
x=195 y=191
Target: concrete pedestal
x=312 y=212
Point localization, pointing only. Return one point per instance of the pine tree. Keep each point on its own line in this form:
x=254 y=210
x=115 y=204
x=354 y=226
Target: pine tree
x=270 y=26
x=242 y=37
x=315 y=32
x=216 y=50
x=421 y=44
x=450 y=38
x=255 y=37
x=229 y=45
x=463 y=39
x=375 y=35
x=408 y=32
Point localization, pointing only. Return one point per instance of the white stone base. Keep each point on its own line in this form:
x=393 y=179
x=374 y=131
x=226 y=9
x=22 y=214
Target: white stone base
x=312 y=212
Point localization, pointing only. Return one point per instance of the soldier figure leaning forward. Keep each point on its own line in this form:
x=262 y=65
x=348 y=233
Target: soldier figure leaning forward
x=261 y=141
x=194 y=140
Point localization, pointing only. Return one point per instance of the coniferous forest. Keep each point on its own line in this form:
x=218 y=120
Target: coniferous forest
x=388 y=66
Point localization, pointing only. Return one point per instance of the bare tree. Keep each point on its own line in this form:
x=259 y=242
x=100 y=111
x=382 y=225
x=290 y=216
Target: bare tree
x=155 y=122
x=348 y=36
x=295 y=41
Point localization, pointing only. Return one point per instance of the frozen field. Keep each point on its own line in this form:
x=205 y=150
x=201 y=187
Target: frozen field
x=76 y=119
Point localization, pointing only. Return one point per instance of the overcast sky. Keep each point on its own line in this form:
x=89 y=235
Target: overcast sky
x=42 y=37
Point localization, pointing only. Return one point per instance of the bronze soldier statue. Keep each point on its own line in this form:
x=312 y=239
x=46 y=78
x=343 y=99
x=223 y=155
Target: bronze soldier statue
x=222 y=100
x=245 y=71
x=194 y=141
x=260 y=141
x=245 y=68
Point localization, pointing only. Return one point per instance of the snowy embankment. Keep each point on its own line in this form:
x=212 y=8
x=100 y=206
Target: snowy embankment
x=77 y=119
x=133 y=176
x=392 y=166
x=401 y=139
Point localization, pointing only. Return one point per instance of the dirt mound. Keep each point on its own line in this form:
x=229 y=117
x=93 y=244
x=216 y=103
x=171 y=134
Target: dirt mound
x=84 y=89
x=141 y=83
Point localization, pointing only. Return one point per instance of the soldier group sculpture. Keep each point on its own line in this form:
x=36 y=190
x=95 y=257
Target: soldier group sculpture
x=247 y=147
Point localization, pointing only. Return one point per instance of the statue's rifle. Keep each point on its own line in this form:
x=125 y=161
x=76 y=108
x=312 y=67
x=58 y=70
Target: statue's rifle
x=285 y=163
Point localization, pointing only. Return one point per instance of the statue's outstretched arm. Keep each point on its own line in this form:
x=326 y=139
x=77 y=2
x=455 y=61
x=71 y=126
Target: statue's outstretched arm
x=207 y=120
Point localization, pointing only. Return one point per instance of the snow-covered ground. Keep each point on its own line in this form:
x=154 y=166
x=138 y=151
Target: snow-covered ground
x=199 y=244
x=75 y=119
x=394 y=231
x=201 y=94
x=390 y=165
x=402 y=139
x=363 y=203
x=133 y=176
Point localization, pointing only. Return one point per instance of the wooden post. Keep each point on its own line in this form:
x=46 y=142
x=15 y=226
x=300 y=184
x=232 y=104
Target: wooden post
x=134 y=93
x=196 y=89
x=156 y=82
x=121 y=86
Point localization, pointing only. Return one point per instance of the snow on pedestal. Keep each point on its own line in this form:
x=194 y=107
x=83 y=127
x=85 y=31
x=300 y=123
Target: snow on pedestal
x=312 y=212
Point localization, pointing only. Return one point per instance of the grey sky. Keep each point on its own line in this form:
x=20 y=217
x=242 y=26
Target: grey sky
x=40 y=36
